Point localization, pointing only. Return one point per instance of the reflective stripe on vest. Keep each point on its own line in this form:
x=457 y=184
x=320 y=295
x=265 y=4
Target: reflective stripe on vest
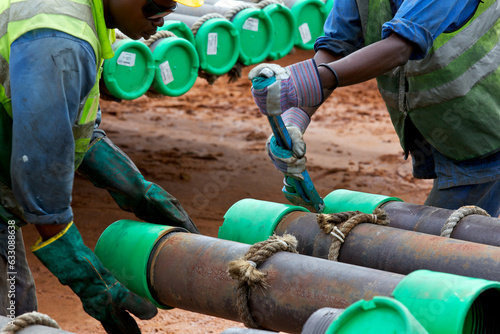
x=451 y=94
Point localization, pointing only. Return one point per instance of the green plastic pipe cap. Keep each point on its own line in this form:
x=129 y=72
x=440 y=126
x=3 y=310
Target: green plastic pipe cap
x=342 y=200
x=452 y=304
x=124 y=249
x=284 y=30
x=256 y=32
x=129 y=74
x=328 y=6
x=217 y=44
x=176 y=63
x=179 y=29
x=249 y=220
x=310 y=16
x=379 y=315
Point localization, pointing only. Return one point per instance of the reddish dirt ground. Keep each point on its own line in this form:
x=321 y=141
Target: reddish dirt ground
x=206 y=147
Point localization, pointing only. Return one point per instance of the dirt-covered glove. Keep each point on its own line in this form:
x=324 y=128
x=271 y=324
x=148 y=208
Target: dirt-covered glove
x=102 y=296
x=276 y=89
x=291 y=163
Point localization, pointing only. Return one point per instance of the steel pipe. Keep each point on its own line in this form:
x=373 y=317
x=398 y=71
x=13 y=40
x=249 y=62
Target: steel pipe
x=430 y=220
x=394 y=250
x=33 y=329
x=189 y=271
x=246 y=331
x=415 y=217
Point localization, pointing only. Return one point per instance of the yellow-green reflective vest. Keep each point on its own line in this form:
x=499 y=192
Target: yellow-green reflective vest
x=83 y=19
x=452 y=95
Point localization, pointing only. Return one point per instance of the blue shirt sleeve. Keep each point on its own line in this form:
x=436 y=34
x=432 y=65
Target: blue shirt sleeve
x=419 y=21
x=343 y=34
x=422 y=21
x=51 y=74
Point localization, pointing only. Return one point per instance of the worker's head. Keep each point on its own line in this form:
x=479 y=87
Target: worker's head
x=140 y=18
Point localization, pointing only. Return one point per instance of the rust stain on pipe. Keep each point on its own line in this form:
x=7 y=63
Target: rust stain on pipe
x=430 y=220
x=395 y=250
x=189 y=271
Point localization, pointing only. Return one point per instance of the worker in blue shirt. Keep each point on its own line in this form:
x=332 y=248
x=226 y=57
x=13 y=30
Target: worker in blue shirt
x=437 y=68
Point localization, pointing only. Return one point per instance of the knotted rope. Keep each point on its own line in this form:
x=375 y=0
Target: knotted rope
x=262 y=4
x=340 y=224
x=28 y=319
x=231 y=12
x=120 y=35
x=458 y=215
x=246 y=272
x=159 y=35
x=203 y=19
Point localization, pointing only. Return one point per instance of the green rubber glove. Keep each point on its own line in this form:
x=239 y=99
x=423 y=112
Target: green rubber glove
x=108 y=167
x=102 y=296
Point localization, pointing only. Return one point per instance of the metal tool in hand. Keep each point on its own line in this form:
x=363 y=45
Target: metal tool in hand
x=298 y=192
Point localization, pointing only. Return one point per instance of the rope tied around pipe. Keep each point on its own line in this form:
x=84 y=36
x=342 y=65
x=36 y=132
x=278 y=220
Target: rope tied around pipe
x=265 y=3
x=159 y=35
x=340 y=224
x=458 y=215
x=196 y=26
x=210 y=78
x=120 y=35
x=245 y=271
x=231 y=12
x=28 y=319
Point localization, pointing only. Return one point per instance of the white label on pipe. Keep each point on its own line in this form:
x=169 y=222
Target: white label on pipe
x=166 y=73
x=126 y=59
x=212 y=44
x=251 y=24
x=305 y=33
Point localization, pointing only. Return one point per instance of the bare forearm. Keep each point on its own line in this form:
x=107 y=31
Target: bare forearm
x=48 y=231
x=365 y=64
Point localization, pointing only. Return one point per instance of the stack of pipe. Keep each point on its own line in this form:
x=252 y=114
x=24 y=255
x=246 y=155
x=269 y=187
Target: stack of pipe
x=177 y=269
x=216 y=41
x=253 y=25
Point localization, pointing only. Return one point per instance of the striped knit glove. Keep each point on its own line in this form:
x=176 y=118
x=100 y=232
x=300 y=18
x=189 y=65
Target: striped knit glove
x=276 y=89
x=291 y=163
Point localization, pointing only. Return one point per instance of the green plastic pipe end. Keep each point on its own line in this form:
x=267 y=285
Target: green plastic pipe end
x=256 y=32
x=452 y=304
x=379 y=315
x=177 y=64
x=342 y=200
x=310 y=16
x=179 y=29
x=129 y=74
x=124 y=249
x=218 y=46
x=249 y=220
x=328 y=6
x=285 y=30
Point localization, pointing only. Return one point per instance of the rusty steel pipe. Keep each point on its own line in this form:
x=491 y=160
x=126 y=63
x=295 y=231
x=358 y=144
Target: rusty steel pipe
x=32 y=329
x=189 y=271
x=430 y=220
x=394 y=250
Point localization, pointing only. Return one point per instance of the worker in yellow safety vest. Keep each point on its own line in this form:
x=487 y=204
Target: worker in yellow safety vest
x=51 y=53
